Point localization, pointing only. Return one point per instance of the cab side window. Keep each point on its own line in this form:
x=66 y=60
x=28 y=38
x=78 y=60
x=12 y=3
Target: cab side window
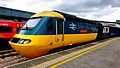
x=50 y=26
x=60 y=26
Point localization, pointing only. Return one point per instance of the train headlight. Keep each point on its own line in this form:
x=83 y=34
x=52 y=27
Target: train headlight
x=21 y=41
x=24 y=41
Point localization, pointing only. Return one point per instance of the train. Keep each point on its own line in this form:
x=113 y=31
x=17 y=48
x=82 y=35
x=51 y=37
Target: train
x=7 y=30
x=48 y=30
x=110 y=29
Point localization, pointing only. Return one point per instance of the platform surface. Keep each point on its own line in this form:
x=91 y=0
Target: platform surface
x=100 y=54
x=105 y=57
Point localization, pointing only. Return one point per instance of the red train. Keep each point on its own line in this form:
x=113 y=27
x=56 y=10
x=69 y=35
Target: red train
x=7 y=30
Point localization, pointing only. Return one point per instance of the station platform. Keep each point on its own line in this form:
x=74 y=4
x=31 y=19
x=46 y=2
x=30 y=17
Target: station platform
x=105 y=54
x=106 y=57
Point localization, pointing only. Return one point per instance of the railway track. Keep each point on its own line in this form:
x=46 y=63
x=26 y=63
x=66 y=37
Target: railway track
x=8 y=57
x=7 y=53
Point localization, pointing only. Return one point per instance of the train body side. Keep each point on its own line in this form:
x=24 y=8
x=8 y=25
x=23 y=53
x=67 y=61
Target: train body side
x=114 y=31
x=107 y=30
x=48 y=35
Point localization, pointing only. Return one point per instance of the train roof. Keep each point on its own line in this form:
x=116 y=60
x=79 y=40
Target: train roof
x=66 y=15
x=111 y=25
x=73 y=17
x=59 y=14
x=48 y=13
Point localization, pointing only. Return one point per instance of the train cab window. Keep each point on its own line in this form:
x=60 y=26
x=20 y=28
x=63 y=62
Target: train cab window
x=31 y=23
x=50 y=26
x=5 y=29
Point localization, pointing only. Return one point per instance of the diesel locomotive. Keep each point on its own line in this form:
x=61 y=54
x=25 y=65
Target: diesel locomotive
x=7 y=30
x=48 y=30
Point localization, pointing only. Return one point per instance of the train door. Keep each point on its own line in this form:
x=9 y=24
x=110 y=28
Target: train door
x=106 y=31
x=59 y=38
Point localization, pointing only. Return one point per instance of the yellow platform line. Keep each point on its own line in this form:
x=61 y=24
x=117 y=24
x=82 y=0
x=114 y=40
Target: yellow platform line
x=83 y=53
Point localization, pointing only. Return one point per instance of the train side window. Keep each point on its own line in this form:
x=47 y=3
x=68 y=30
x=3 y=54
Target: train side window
x=80 y=25
x=106 y=30
x=50 y=26
x=91 y=27
x=6 y=29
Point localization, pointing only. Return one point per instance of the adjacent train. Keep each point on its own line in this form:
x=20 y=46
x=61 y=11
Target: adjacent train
x=48 y=30
x=7 y=30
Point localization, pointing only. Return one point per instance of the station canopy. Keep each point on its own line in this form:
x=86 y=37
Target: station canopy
x=14 y=14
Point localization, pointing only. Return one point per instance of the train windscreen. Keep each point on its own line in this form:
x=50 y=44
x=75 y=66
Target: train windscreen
x=31 y=23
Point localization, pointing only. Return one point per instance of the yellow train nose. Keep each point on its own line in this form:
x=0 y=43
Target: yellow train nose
x=29 y=51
